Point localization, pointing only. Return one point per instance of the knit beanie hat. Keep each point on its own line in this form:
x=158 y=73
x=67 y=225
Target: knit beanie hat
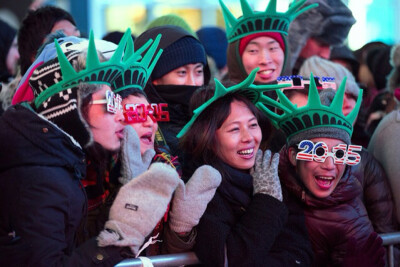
x=215 y=43
x=62 y=109
x=325 y=68
x=275 y=35
x=329 y=23
x=171 y=19
x=187 y=50
x=7 y=34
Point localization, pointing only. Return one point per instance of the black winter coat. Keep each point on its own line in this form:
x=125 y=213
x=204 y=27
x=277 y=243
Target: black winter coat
x=43 y=204
x=254 y=230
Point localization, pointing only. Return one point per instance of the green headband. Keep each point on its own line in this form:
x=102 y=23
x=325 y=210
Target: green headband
x=95 y=71
x=253 y=92
x=253 y=22
x=313 y=115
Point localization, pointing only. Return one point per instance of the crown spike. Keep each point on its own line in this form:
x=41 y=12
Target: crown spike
x=337 y=102
x=118 y=55
x=67 y=70
x=246 y=9
x=313 y=95
x=150 y=53
x=92 y=59
x=286 y=104
x=295 y=10
x=229 y=18
x=129 y=49
x=271 y=7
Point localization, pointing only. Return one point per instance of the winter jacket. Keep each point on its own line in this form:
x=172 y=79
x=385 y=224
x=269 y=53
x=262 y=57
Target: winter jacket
x=251 y=230
x=43 y=203
x=377 y=195
x=333 y=220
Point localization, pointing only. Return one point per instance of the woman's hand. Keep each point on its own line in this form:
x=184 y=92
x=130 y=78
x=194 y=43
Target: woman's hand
x=265 y=175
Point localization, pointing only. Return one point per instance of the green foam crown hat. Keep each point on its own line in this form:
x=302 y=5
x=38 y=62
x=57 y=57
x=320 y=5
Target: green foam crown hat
x=96 y=72
x=251 y=91
x=313 y=115
x=253 y=22
x=139 y=65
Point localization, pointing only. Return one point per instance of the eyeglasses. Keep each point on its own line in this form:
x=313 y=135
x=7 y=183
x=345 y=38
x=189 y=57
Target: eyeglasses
x=341 y=154
x=113 y=101
x=134 y=113
x=297 y=82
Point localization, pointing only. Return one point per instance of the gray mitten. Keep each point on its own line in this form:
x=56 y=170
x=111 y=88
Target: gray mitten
x=133 y=164
x=191 y=200
x=265 y=175
x=139 y=206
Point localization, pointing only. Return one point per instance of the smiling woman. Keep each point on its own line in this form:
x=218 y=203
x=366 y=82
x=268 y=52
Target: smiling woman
x=248 y=222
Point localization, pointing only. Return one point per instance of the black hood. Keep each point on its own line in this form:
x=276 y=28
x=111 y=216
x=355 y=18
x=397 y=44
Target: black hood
x=29 y=139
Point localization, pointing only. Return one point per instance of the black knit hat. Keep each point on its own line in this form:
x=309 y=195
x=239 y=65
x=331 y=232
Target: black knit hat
x=187 y=50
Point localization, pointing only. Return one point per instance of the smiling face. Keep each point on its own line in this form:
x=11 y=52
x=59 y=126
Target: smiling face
x=190 y=74
x=145 y=130
x=239 y=137
x=320 y=178
x=264 y=52
x=106 y=127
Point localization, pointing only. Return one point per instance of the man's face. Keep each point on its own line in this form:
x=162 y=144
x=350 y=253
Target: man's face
x=264 y=52
x=190 y=74
x=314 y=47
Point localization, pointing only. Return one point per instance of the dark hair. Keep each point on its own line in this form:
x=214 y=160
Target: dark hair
x=95 y=153
x=132 y=91
x=34 y=28
x=200 y=143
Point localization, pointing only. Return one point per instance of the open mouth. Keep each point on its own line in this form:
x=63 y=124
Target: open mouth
x=325 y=182
x=146 y=138
x=246 y=153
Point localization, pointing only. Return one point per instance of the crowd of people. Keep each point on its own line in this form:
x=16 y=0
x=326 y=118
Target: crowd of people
x=265 y=143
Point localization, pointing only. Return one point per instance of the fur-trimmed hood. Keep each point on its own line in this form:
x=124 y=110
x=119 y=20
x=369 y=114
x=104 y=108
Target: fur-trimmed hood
x=330 y=22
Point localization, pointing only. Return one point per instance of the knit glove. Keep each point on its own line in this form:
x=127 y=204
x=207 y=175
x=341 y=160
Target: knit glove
x=370 y=255
x=265 y=175
x=138 y=207
x=133 y=164
x=191 y=200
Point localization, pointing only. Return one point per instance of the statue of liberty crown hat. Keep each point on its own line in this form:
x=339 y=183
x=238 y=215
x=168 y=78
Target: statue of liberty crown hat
x=314 y=119
x=139 y=65
x=255 y=93
x=254 y=22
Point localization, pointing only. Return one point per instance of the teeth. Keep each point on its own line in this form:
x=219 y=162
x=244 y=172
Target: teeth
x=266 y=72
x=246 y=152
x=325 y=178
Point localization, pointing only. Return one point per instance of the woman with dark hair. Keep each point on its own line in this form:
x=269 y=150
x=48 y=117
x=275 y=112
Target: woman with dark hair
x=249 y=221
x=43 y=208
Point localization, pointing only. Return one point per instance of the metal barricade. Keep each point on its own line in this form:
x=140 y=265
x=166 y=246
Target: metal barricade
x=180 y=259
x=189 y=258
x=389 y=240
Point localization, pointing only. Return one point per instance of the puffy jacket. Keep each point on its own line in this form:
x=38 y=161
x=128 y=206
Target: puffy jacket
x=42 y=204
x=333 y=220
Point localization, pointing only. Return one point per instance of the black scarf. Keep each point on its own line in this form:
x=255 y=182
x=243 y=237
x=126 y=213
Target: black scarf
x=237 y=186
